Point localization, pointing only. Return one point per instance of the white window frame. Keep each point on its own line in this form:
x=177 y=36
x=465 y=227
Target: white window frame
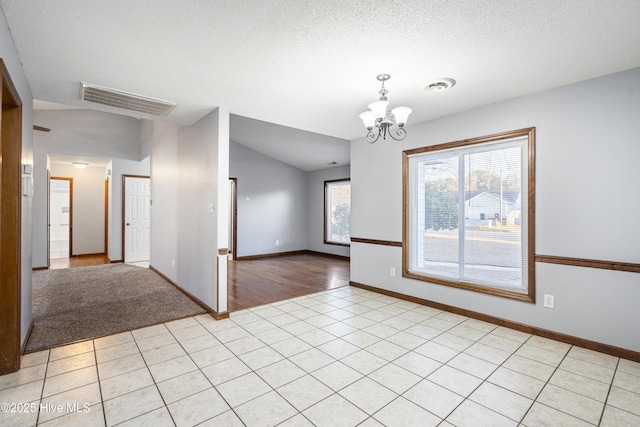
x=411 y=226
x=328 y=240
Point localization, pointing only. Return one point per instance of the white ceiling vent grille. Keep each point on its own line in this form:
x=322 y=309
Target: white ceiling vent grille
x=125 y=100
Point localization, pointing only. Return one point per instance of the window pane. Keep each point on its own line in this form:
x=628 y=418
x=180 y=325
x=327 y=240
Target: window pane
x=338 y=215
x=493 y=231
x=440 y=215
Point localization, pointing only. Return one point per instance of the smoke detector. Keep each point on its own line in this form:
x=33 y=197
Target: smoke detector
x=439 y=85
x=125 y=100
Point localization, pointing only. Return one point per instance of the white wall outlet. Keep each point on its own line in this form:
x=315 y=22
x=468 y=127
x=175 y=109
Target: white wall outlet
x=392 y=271
x=549 y=301
x=173 y=263
x=277 y=242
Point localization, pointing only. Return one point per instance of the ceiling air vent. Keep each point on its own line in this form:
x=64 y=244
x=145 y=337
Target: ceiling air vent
x=125 y=100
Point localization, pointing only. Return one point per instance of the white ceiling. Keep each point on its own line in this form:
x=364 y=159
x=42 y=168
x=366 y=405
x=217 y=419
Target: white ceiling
x=311 y=65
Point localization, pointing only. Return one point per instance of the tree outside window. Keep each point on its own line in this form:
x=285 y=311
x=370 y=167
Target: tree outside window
x=337 y=212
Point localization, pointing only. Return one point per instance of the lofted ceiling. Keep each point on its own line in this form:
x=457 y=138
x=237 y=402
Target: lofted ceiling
x=311 y=65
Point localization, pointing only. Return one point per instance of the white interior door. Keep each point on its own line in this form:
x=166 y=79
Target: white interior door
x=137 y=219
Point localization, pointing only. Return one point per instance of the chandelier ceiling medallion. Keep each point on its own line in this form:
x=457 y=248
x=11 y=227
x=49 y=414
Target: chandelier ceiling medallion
x=385 y=122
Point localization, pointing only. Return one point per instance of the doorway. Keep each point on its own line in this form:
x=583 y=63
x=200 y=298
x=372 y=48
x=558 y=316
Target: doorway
x=10 y=223
x=60 y=217
x=233 y=218
x=136 y=218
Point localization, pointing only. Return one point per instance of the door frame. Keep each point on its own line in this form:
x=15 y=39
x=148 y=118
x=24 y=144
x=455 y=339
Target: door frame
x=10 y=224
x=106 y=217
x=124 y=198
x=234 y=218
x=61 y=178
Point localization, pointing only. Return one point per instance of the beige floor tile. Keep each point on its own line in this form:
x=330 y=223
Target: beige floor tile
x=183 y=386
x=338 y=348
x=258 y=326
x=517 y=382
x=296 y=421
x=280 y=373
x=298 y=327
x=132 y=405
x=335 y=411
x=588 y=369
x=245 y=317
x=261 y=357
x=543 y=416
x=162 y=354
x=226 y=419
x=361 y=339
x=69 y=380
x=580 y=384
x=488 y=353
x=395 y=378
x=511 y=334
x=627 y=381
x=548 y=357
x=467 y=332
x=282 y=319
x=23 y=376
x=230 y=334
x=549 y=344
x=502 y=401
x=190 y=332
x=337 y=375
x=380 y=330
x=423 y=331
x=479 y=325
x=22 y=393
x=111 y=340
x=416 y=316
x=71 y=363
x=342 y=314
x=451 y=317
x=187 y=322
x=91 y=416
x=417 y=363
x=473 y=365
x=594 y=357
x=157 y=418
x=453 y=341
x=243 y=389
x=470 y=414
x=338 y=329
x=290 y=346
x=226 y=370
x=529 y=367
x=244 y=345
x=209 y=356
x=364 y=362
x=398 y=323
x=571 y=403
x=172 y=368
x=219 y=325
x=304 y=392
x=193 y=345
x=125 y=383
x=402 y=412
x=116 y=367
x=614 y=417
x=77 y=399
x=20 y=418
x=312 y=359
x=387 y=350
x=437 y=351
x=267 y=410
x=33 y=359
x=116 y=351
x=320 y=320
x=197 y=408
x=273 y=335
x=71 y=350
x=156 y=341
x=368 y=395
x=317 y=337
x=358 y=322
x=629 y=367
x=434 y=398
x=625 y=400
x=149 y=331
x=455 y=380
x=501 y=343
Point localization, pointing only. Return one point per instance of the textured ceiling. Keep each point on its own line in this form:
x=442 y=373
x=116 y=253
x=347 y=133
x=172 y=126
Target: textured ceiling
x=311 y=64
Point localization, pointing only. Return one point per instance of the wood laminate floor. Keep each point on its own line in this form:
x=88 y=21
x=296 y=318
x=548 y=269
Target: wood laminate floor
x=264 y=281
x=78 y=261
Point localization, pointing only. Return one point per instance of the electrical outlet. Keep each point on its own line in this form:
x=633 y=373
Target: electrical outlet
x=173 y=263
x=277 y=242
x=392 y=271
x=549 y=301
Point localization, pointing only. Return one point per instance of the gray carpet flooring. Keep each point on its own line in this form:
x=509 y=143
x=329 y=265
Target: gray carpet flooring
x=86 y=302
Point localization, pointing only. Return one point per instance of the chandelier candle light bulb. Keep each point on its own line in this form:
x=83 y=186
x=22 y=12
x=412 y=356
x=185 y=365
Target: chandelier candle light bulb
x=379 y=117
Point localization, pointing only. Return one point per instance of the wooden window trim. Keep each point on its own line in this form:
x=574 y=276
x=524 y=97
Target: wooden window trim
x=530 y=295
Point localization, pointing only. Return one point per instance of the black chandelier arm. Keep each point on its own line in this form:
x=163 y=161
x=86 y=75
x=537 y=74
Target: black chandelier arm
x=400 y=134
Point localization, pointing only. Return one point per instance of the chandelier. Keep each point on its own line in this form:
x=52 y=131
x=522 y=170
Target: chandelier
x=383 y=120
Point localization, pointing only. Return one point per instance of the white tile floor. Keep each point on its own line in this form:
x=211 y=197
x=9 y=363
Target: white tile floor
x=344 y=357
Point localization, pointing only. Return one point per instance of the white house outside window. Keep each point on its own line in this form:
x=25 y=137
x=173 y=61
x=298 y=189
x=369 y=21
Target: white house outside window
x=469 y=214
x=337 y=212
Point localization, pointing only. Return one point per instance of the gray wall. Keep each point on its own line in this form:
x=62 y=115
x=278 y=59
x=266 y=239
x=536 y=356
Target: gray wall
x=587 y=204
x=272 y=203
x=315 y=191
x=11 y=60
x=190 y=202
